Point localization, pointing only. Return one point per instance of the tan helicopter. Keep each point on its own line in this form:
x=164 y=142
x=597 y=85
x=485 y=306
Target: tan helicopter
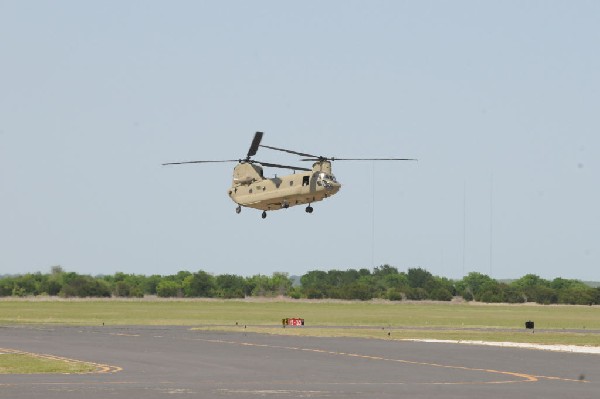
x=250 y=188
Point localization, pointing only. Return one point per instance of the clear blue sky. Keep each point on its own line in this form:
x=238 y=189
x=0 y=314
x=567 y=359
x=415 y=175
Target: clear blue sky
x=499 y=101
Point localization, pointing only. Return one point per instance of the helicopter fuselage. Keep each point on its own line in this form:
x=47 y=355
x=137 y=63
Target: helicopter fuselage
x=251 y=189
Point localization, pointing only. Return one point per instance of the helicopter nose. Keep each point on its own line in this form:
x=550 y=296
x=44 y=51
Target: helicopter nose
x=335 y=187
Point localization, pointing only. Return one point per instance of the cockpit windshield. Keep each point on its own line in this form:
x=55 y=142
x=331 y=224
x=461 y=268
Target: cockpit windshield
x=324 y=176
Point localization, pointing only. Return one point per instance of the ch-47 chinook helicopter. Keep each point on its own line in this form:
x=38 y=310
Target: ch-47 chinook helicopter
x=250 y=188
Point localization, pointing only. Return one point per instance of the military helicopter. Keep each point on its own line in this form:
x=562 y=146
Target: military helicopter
x=250 y=188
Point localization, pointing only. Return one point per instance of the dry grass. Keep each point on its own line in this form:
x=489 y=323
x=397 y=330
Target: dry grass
x=440 y=320
x=22 y=363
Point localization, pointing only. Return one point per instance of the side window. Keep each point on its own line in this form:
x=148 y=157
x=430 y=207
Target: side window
x=250 y=191
x=305 y=180
x=291 y=183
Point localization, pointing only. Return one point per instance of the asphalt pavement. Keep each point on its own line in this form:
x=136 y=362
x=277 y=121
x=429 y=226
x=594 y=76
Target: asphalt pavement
x=166 y=362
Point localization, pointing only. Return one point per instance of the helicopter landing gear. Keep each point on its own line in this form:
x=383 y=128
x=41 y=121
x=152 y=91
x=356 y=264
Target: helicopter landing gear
x=285 y=205
x=238 y=209
x=309 y=209
x=264 y=214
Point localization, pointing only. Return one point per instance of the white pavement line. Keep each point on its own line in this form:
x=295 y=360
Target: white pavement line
x=554 y=348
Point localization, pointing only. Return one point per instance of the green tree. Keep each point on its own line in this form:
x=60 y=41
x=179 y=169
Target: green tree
x=314 y=284
x=470 y=286
x=418 y=277
x=440 y=294
x=281 y=283
x=385 y=280
x=512 y=294
x=6 y=286
x=127 y=285
x=394 y=294
x=536 y=289
x=416 y=294
x=76 y=285
x=259 y=285
x=200 y=284
x=151 y=283
x=396 y=281
x=230 y=286
x=384 y=270
x=357 y=290
x=169 y=289
x=490 y=291
x=576 y=295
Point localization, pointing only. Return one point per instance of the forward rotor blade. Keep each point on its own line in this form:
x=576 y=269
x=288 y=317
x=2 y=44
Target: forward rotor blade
x=289 y=151
x=181 y=163
x=276 y=165
x=255 y=144
x=373 y=159
x=359 y=159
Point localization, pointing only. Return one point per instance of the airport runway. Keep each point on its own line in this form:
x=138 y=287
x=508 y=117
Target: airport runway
x=176 y=362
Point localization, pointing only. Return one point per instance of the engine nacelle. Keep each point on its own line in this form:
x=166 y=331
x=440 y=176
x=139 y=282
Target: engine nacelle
x=247 y=173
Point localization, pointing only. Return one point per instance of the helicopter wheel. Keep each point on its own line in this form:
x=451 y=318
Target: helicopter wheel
x=309 y=209
x=264 y=214
x=238 y=209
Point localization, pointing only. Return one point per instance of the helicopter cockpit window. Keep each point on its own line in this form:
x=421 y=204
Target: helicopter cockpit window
x=326 y=180
x=323 y=176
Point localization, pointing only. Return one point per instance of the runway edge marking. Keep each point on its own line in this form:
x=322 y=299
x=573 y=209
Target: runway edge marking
x=590 y=350
x=522 y=376
x=100 y=368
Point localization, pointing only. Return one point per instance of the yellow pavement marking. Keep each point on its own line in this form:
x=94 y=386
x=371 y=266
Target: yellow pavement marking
x=100 y=368
x=517 y=376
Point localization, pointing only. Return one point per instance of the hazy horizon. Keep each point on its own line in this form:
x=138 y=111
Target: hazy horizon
x=497 y=100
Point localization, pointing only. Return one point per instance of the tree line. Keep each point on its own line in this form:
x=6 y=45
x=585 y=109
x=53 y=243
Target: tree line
x=383 y=282
x=183 y=284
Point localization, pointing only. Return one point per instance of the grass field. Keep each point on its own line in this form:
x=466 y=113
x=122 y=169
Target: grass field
x=521 y=336
x=466 y=321
x=20 y=363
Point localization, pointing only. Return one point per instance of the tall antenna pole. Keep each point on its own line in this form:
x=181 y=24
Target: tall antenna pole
x=464 y=227
x=491 y=221
x=373 y=218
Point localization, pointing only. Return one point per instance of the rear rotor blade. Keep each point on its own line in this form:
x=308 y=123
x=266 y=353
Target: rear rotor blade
x=255 y=144
x=358 y=159
x=289 y=151
x=181 y=163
